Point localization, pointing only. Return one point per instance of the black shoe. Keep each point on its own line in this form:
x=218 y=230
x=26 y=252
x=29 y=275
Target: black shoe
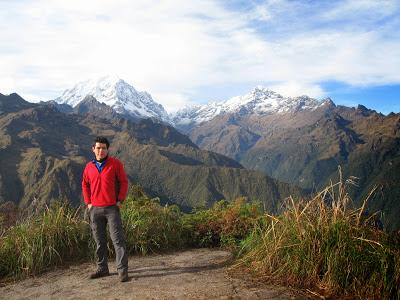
x=123 y=276
x=99 y=273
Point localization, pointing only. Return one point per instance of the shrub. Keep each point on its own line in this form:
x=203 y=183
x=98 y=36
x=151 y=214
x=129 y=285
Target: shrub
x=224 y=224
x=149 y=226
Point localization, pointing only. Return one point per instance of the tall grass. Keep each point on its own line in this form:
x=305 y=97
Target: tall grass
x=327 y=246
x=56 y=236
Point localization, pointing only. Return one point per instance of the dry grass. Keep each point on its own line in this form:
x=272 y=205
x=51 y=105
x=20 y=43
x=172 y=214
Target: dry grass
x=327 y=246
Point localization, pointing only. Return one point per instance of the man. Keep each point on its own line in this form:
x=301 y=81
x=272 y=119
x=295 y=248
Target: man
x=104 y=187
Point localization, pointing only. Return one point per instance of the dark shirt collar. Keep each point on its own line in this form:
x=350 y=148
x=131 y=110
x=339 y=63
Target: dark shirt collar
x=100 y=161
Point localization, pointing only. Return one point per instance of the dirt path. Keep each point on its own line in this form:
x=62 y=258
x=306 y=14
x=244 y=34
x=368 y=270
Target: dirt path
x=193 y=274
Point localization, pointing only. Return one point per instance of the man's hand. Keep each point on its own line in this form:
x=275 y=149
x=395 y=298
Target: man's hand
x=119 y=203
x=89 y=206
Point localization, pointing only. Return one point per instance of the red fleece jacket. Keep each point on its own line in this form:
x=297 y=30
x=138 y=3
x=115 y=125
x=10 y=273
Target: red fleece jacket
x=100 y=188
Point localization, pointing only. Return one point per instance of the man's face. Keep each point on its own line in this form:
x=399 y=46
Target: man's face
x=100 y=151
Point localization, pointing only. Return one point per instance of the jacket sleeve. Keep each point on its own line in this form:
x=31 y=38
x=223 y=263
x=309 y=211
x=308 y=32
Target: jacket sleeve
x=123 y=182
x=86 y=187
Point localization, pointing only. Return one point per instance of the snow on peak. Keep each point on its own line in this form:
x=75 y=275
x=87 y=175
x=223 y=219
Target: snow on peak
x=259 y=101
x=116 y=93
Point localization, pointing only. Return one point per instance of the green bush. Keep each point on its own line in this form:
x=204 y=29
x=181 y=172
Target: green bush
x=150 y=227
x=224 y=224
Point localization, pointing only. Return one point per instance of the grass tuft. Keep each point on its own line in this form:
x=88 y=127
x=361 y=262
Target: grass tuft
x=325 y=245
x=56 y=236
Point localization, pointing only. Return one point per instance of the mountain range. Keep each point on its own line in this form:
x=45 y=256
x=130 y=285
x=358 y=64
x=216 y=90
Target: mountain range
x=300 y=141
x=303 y=141
x=43 y=152
x=259 y=102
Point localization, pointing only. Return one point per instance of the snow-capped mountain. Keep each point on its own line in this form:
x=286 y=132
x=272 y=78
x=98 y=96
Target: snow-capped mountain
x=259 y=101
x=117 y=94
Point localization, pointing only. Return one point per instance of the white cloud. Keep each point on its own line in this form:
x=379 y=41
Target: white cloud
x=370 y=9
x=358 y=60
x=171 y=48
x=7 y=85
x=172 y=102
x=293 y=89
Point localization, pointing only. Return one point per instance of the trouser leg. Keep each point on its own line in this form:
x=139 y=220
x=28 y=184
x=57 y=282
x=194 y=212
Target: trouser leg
x=117 y=237
x=98 y=222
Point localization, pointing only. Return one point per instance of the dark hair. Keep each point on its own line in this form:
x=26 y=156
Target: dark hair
x=101 y=140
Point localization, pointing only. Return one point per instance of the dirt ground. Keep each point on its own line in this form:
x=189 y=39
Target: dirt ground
x=192 y=274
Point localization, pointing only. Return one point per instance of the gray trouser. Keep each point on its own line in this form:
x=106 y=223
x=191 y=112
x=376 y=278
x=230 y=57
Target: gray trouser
x=99 y=217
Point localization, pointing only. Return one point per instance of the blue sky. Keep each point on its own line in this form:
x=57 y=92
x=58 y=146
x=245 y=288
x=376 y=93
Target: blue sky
x=188 y=52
